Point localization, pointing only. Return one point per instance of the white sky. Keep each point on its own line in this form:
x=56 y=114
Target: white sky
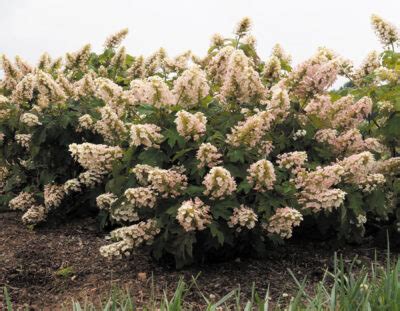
x=30 y=27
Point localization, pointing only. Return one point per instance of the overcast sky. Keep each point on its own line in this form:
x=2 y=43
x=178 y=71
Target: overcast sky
x=30 y=27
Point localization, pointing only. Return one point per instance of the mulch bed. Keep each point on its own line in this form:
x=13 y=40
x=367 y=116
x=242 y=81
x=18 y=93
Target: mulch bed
x=45 y=267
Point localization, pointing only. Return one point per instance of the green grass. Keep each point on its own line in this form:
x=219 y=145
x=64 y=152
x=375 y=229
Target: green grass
x=375 y=287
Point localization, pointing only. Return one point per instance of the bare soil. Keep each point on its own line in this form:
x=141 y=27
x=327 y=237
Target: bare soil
x=46 y=267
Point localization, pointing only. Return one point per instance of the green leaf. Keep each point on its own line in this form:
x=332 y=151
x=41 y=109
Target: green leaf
x=181 y=153
x=152 y=157
x=236 y=155
x=223 y=208
x=244 y=186
x=215 y=232
x=194 y=190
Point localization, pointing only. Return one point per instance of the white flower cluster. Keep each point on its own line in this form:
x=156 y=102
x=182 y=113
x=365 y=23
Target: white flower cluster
x=141 y=197
x=279 y=103
x=370 y=182
x=23 y=201
x=53 y=195
x=24 y=140
x=250 y=132
x=85 y=122
x=90 y=178
x=34 y=215
x=283 y=221
x=243 y=217
x=145 y=134
x=114 y=40
x=191 y=87
x=106 y=200
x=158 y=93
x=190 y=126
x=129 y=238
x=386 y=31
x=208 y=155
x=261 y=175
x=292 y=161
x=30 y=119
x=167 y=182
x=299 y=134
x=95 y=157
x=241 y=81
x=316 y=192
x=219 y=183
x=194 y=215
x=141 y=172
x=72 y=185
x=110 y=126
x=4 y=173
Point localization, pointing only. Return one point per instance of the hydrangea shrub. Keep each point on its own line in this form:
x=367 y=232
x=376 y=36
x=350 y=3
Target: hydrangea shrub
x=195 y=156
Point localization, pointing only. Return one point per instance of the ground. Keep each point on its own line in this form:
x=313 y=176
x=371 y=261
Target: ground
x=44 y=267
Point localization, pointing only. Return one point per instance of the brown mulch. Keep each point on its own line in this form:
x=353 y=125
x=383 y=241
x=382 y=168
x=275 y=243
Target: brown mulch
x=45 y=267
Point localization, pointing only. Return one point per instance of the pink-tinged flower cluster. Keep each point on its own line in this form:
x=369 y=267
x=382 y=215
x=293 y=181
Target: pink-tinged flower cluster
x=250 y=132
x=219 y=183
x=293 y=161
x=194 y=215
x=279 y=103
x=95 y=157
x=315 y=75
x=141 y=197
x=283 y=222
x=315 y=188
x=261 y=175
x=342 y=114
x=191 y=87
x=368 y=66
x=241 y=81
x=141 y=172
x=208 y=155
x=190 y=126
x=347 y=114
x=168 y=183
x=147 y=135
x=110 y=126
x=218 y=65
x=129 y=238
x=158 y=93
x=389 y=167
x=243 y=217
x=348 y=142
